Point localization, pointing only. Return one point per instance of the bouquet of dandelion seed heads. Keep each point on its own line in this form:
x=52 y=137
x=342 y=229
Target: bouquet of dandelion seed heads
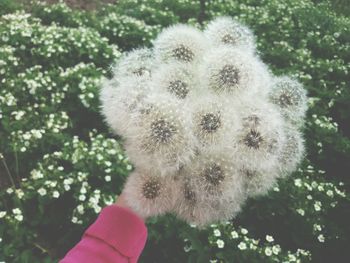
x=204 y=121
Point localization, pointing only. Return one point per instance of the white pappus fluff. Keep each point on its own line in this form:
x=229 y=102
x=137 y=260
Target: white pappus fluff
x=232 y=71
x=179 y=80
x=180 y=43
x=148 y=193
x=213 y=119
x=209 y=190
x=227 y=31
x=160 y=137
x=135 y=63
x=120 y=99
x=261 y=135
x=290 y=96
x=204 y=122
x=292 y=151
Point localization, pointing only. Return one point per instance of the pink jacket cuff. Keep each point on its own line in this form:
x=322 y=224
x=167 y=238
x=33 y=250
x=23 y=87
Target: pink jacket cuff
x=117 y=233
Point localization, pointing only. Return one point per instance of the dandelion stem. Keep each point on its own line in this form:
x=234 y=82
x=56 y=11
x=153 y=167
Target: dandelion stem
x=7 y=170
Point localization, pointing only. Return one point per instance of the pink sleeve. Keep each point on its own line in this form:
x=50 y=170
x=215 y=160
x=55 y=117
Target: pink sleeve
x=117 y=236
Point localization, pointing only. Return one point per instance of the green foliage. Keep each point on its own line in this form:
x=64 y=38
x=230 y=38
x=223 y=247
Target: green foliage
x=53 y=137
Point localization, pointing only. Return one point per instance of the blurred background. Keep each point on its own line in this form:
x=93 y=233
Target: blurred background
x=60 y=164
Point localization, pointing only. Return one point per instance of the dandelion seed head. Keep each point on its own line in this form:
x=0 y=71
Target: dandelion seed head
x=176 y=79
x=258 y=181
x=227 y=31
x=229 y=75
x=290 y=96
x=161 y=137
x=213 y=174
x=162 y=131
x=292 y=151
x=261 y=136
x=253 y=139
x=135 y=63
x=151 y=188
x=149 y=193
x=180 y=43
x=228 y=70
x=119 y=101
x=212 y=118
x=210 y=122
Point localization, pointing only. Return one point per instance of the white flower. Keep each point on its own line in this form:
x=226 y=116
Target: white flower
x=19 y=217
x=297 y=182
x=2 y=214
x=80 y=209
x=217 y=233
x=220 y=243
x=82 y=197
x=300 y=211
x=330 y=193
x=234 y=234
x=291 y=257
x=269 y=238
x=17 y=211
x=321 y=238
x=108 y=178
x=42 y=191
x=268 y=251
x=242 y=246
x=19 y=193
x=244 y=231
x=317 y=206
x=276 y=249
x=55 y=194
x=36 y=174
